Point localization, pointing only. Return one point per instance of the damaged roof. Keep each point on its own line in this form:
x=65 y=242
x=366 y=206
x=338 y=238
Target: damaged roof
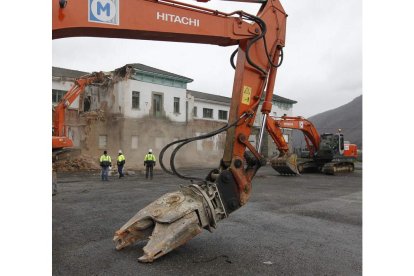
x=209 y=97
x=67 y=73
x=223 y=99
x=281 y=99
x=148 y=69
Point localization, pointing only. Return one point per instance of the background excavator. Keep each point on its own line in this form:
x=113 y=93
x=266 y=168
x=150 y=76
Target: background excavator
x=62 y=145
x=176 y=217
x=329 y=152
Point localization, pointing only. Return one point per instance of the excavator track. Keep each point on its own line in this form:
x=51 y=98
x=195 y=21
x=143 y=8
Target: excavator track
x=285 y=165
x=333 y=167
x=65 y=153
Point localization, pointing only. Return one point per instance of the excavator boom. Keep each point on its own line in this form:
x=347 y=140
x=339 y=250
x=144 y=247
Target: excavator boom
x=60 y=140
x=174 y=218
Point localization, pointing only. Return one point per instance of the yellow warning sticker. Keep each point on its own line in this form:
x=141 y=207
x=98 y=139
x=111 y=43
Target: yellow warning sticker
x=247 y=93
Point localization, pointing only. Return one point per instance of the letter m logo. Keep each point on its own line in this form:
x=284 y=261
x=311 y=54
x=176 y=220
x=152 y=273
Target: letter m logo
x=103 y=11
x=106 y=8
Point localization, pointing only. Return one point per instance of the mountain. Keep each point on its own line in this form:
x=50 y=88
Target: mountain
x=347 y=117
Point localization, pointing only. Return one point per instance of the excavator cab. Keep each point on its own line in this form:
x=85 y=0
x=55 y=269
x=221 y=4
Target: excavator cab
x=341 y=143
x=331 y=145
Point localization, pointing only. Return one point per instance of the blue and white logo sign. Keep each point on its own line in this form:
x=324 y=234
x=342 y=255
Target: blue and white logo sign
x=104 y=11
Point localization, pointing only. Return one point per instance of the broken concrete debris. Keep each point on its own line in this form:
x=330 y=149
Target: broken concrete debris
x=82 y=163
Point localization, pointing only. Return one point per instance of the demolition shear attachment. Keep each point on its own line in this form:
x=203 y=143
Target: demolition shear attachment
x=172 y=220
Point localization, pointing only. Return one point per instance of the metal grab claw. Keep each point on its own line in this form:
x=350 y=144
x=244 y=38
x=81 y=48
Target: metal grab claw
x=285 y=164
x=172 y=220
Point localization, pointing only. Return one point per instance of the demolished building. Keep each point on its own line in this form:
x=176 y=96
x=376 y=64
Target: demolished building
x=145 y=107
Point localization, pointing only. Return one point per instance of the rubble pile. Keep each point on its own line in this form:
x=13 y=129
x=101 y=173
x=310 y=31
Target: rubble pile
x=82 y=163
x=98 y=115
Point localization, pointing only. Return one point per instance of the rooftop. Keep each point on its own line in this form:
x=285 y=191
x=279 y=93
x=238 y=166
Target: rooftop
x=148 y=69
x=223 y=99
x=209 y=97
x=67 y=73
x=281 y=99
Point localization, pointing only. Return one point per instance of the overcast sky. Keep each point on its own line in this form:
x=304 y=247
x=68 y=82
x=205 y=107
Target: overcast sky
x=322 y=68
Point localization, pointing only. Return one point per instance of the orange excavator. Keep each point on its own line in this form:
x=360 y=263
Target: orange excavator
x=62 y=145
x=329 y=152
x=176 y=217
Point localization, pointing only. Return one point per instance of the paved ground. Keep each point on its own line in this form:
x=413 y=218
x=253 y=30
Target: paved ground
x=307 y=225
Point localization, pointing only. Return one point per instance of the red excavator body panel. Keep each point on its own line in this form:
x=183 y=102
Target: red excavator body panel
x=351 y=150
x=61 y=142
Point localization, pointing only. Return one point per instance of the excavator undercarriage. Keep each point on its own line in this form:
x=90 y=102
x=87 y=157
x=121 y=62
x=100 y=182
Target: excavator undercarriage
x=332 y=167
x=338 y=166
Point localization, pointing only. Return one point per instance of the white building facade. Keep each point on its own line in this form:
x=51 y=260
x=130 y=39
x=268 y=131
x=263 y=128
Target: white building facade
x=146 y=107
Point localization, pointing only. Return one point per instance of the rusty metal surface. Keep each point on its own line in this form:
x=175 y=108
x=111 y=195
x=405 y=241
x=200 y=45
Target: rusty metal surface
x=285 y=165
x=172 y=220
x=168 y=236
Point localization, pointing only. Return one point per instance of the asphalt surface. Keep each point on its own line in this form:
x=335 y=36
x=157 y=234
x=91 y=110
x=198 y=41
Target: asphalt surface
x=304 y=225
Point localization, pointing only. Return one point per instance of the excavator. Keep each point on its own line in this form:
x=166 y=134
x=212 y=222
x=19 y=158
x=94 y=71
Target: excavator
x=62 y=145
x=60 y=141
x=329 y=152
x=176 y=217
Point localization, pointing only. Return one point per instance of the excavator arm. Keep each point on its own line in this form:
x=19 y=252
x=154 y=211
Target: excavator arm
x=176 y=217
x=312 y=137
x=286 y=164
x=77 y=88
x=163 y=20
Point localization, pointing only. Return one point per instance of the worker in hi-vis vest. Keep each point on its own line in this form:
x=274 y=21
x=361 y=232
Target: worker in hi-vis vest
x=120 y=161
x=149 y=163
x=105 y=162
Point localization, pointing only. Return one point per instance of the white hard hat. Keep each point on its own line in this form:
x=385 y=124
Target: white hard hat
x=119 y=151
x=150 y=150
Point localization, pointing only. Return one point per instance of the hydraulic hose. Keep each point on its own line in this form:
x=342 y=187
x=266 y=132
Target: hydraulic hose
x=186 y=141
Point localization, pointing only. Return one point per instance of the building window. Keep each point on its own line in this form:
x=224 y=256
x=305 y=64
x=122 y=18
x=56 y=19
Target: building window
x=157 y=103
x=135 y=100
x=87 y=103
x=134 y=142
x=195 y=111
x=102 y=141
x=176 y=105
x=222 y=115
x=57 y=95
x=207 y=113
